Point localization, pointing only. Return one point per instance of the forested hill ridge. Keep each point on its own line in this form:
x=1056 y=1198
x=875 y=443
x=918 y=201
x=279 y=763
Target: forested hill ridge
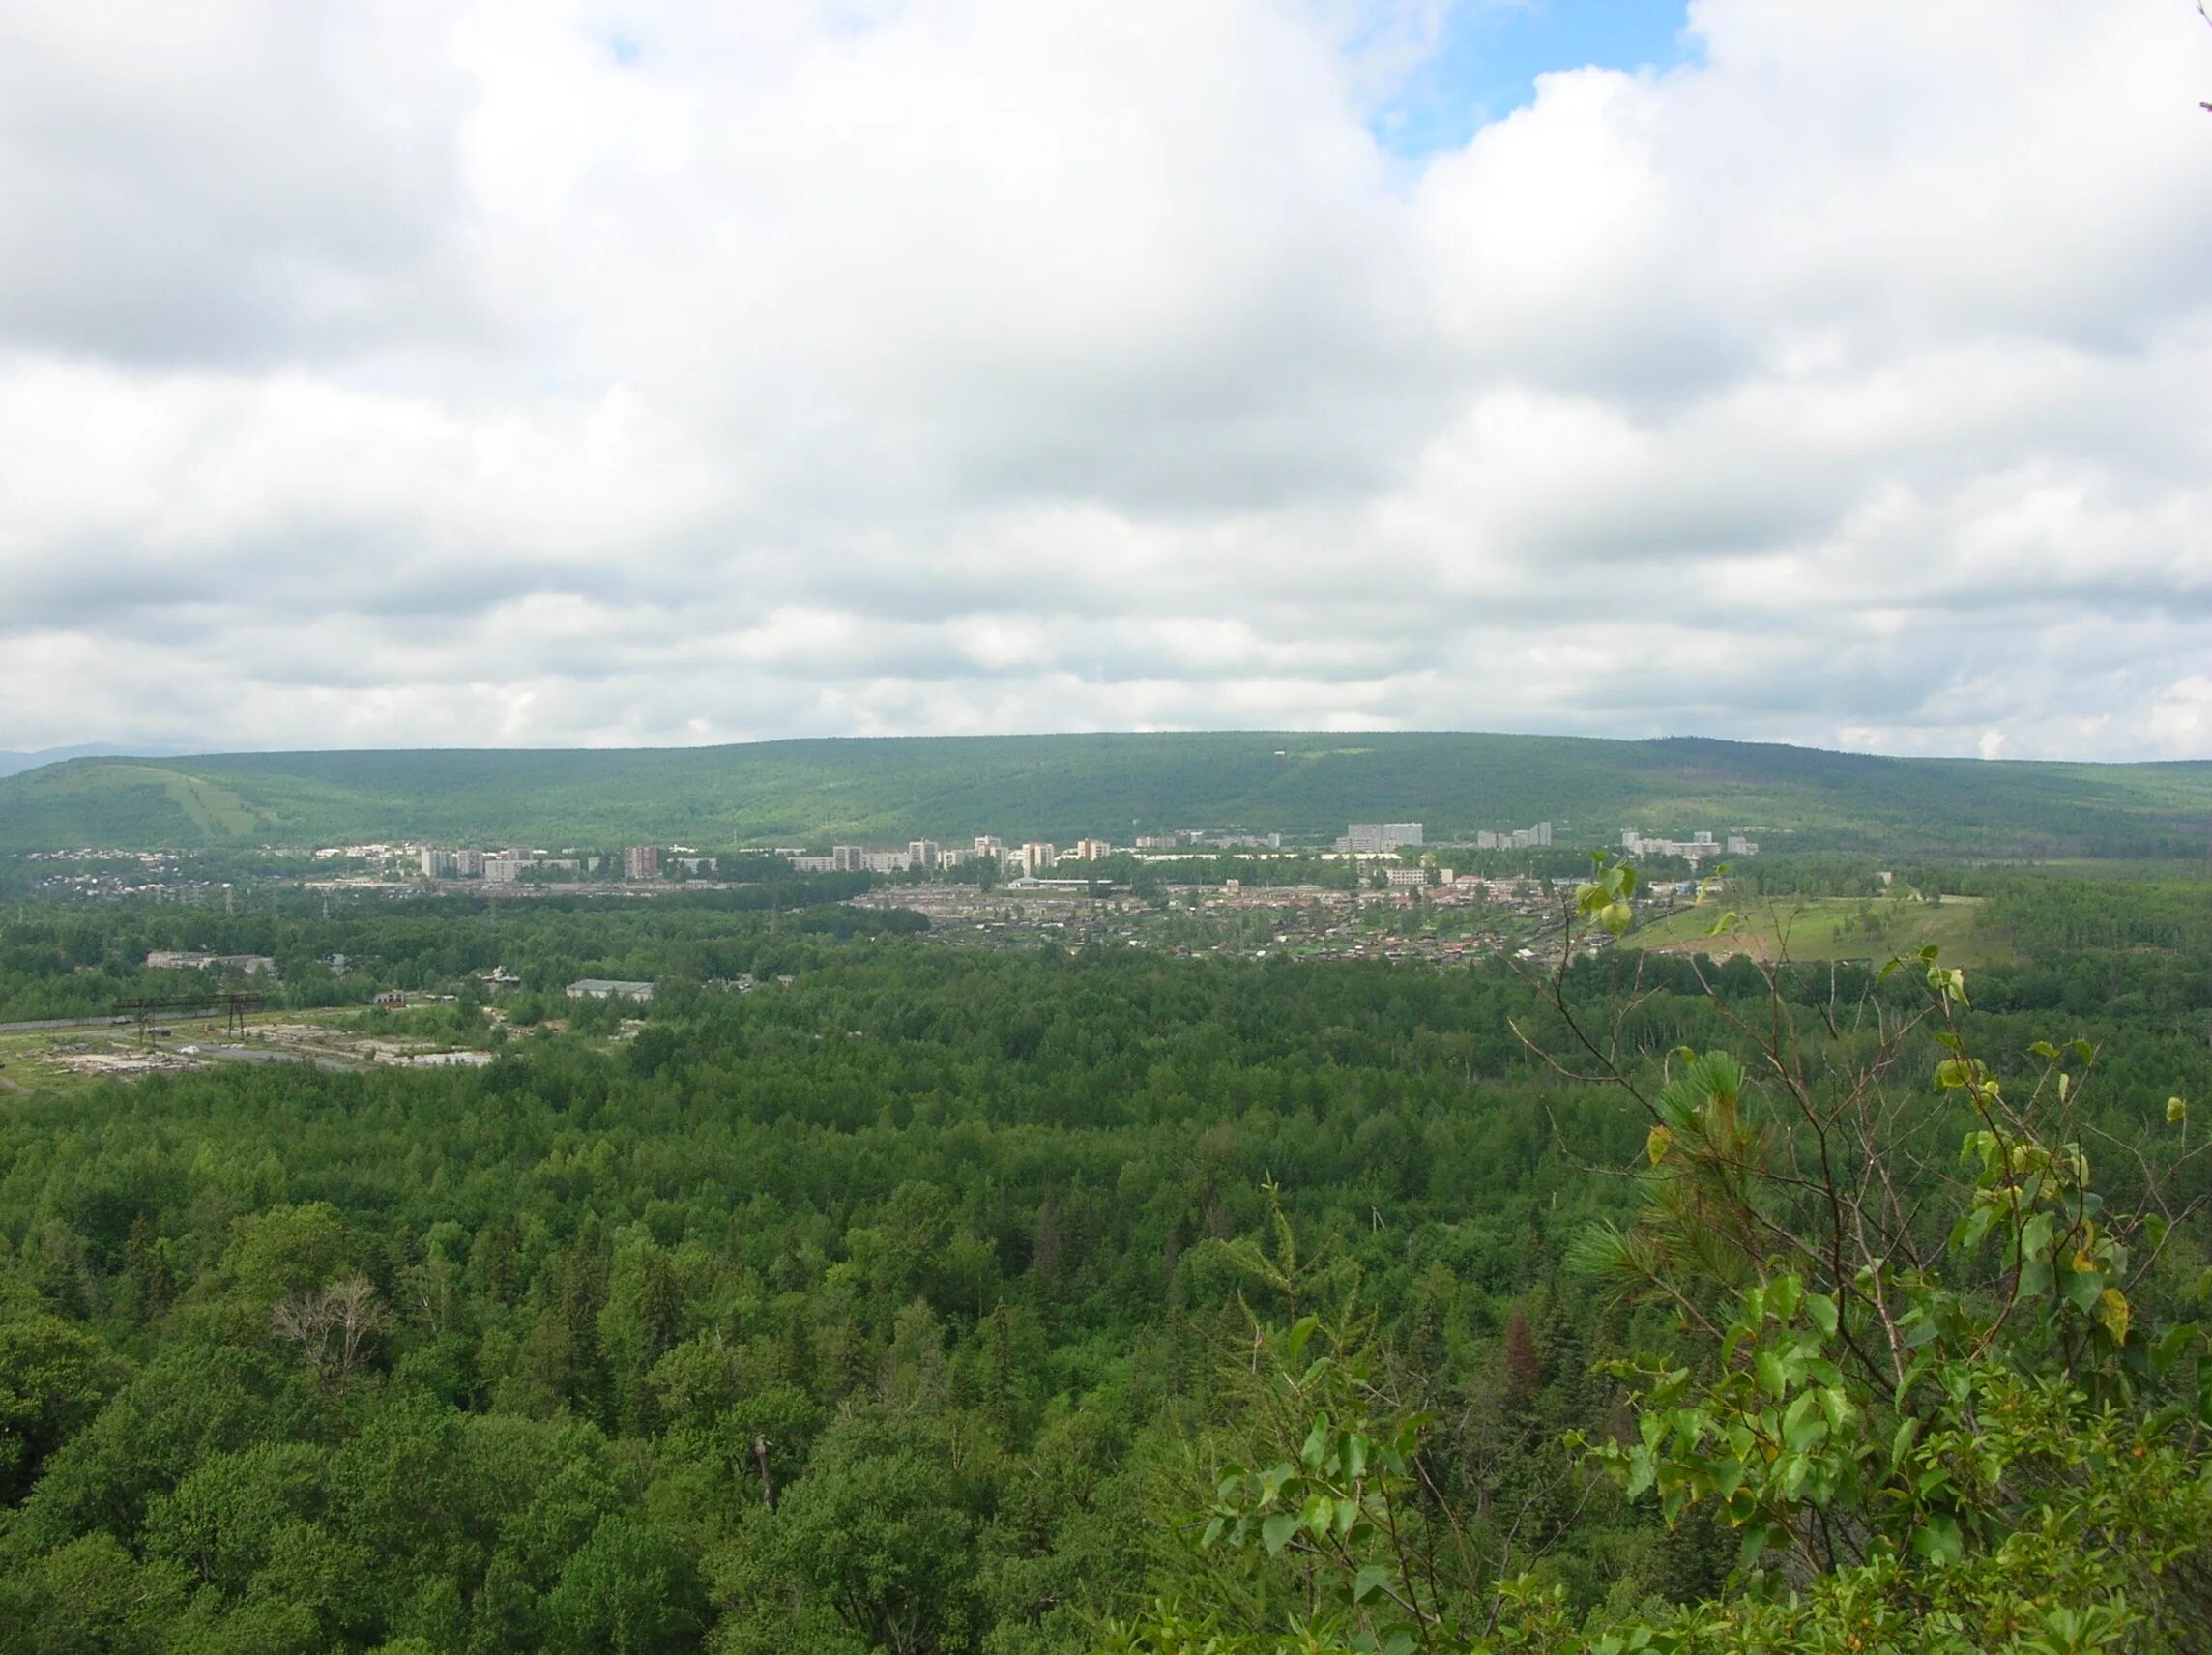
x=887 y=790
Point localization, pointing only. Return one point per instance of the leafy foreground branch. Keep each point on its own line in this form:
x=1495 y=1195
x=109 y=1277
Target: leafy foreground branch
x=1933 y=1401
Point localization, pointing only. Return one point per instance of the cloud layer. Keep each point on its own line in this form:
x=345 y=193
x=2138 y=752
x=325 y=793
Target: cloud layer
x=487 y=373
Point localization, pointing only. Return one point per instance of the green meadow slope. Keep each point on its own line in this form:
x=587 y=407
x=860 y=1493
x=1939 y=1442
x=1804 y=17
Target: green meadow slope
x=1060 y=786
x=1832 y=928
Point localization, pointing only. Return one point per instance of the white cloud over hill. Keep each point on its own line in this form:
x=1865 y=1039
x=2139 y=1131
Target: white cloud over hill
x=489 y=372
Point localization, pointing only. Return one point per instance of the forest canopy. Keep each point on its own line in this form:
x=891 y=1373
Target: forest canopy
x=891 y=1297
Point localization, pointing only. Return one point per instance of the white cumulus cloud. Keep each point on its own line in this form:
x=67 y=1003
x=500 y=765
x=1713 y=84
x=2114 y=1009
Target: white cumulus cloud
x=579 y=371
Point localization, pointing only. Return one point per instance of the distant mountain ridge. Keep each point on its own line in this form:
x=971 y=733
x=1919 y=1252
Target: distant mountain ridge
x=887 y=790
x=14 y=763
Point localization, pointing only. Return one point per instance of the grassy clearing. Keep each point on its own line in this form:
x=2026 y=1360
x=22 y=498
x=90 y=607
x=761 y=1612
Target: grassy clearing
x=31 y=1065
x=1830 y=928
x=216 y=812
x=68 y=1061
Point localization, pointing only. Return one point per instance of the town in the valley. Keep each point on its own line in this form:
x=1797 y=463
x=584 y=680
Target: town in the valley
x=1379 y=891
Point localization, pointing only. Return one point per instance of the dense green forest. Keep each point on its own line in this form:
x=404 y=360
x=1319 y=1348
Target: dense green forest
x=1058 y=787
x=930 y=1300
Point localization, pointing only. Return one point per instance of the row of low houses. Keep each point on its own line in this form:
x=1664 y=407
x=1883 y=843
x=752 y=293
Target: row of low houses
x=193 y=960
x=264 y=965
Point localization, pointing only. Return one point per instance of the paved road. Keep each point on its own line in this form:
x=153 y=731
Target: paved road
x=66 y=1023
x=204 y=1048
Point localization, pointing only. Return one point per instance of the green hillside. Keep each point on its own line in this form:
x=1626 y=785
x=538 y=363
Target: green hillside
x=1059 y=787
x=1811 y=929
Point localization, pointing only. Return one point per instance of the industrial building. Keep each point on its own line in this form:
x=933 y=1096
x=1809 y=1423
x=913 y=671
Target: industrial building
x=605 y=988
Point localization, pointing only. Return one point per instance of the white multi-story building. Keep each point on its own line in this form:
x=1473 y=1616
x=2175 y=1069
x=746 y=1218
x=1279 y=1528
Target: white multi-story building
x=1037 y=856
x=504 y=867
x=641 y=861
x=924 y=853
x=987 y=845
x=1380 y=838
x=1519 y=839
x=1092 y=849
x=1695 y=848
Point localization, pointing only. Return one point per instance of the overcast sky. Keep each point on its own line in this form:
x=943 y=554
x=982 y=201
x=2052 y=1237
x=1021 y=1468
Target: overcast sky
x=535 y=373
